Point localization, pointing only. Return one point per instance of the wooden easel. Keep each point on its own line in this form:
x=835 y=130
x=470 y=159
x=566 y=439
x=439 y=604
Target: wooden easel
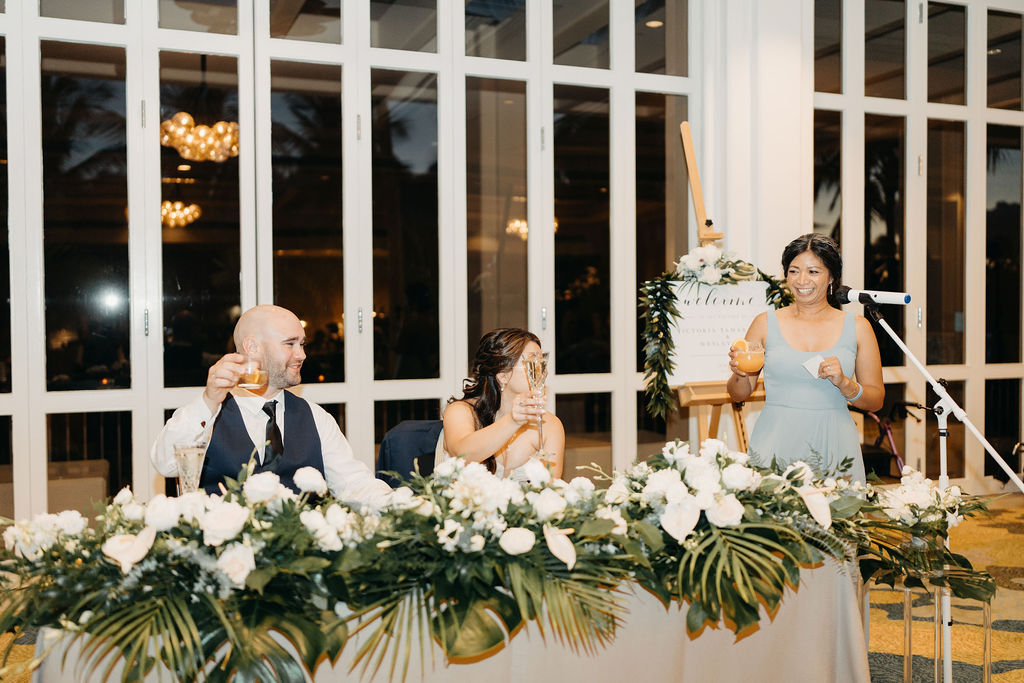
x=709 y=397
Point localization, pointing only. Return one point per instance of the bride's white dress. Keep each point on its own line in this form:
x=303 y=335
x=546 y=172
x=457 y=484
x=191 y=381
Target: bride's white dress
x=440 y=455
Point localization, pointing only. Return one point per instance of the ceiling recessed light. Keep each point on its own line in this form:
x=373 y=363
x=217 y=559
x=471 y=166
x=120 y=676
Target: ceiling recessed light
x=184 y=167
x=654 y=23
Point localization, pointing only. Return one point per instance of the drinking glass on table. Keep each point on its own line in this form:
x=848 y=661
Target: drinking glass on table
x=749 y=355
x=253 y=377
x=189 y=458
x=536 y=366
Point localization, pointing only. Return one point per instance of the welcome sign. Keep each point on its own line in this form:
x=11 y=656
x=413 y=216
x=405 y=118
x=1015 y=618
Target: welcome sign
x=710 y=318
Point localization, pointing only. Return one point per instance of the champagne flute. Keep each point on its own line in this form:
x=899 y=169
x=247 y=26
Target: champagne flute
x=536 y=366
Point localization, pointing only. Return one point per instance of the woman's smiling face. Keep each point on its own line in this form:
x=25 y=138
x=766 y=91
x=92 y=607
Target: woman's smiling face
x=808 y=278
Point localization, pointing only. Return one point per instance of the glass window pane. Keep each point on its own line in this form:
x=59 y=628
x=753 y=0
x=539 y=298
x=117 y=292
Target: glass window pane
x=496 y=30
x=5 y=261
x=404 y=24
x=305 y=111
x=6 y=468
x=387 y=414
x=581 y=33
x=661 y=32
x=406 y=333
x=947 y=42
x=955 y=440
x=587 y=419
x=662 y=192
x=1003 y=245
x=827 y=172
x=318 y=21
x=496 y=227
x=89 y=458
x=946 y=221
x=1004 y=60
x=85 y=216
x=1002 y=424
x=876 y=437
x=206 y=16
x=201 y=258
x=653 y=432
x=884 y=159
x=885 y=37
x=582 y=251
x=828 y=45
x=337 y=411
x=108 y=11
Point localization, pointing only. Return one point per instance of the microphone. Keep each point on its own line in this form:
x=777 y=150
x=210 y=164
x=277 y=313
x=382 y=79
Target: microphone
x=868 y=296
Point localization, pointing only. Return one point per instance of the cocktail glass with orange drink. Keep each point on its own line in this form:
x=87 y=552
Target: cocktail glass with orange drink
x=749 y=355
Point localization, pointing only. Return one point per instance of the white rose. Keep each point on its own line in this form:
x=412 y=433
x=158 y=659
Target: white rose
x=560 y=545
x=309 y=479
x=737 y=477
x=313 y=520
x=340 y=518
x=223 y=521
x=162 y=513
x=680 y=518
x=583 y=486
x=133 y=511
x=536 y=471
x=710 y=275
x=710 y=448
x=446 y=468
x=427 y=508
x=727 y=511
x=192 y=505
x=548 y=504
x=449 y=534
x=739 y=457
x=236 y=562
x=658 y=484
x=261 y=487
x=704 y=476
x=476 y=543
x=403 y=498
x=617 y=493
x=675 y=451
x=615 y=516
x=127 y=549
x=123 y=496
x=517 y=540
x=366 y=497
x=71 y=522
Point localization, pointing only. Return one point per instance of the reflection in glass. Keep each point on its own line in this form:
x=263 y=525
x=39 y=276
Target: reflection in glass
x=317 y=21
x=885 y=38
x=206 y=16
x=6 y=468
x=827 y=172
x=884 y=159
x=653 y=432
x=955 y=440
x=581 y=33
x=587 y=419
x=661 y=36
x=107 y=11
x=496 y=30
x=662 y=192
x=85 y=216
x=406 y=333
x=582 y=250
x=1002 y=424
x=947 y=43
x=89 y=458
x=335 y=410
x=305 y=112
x=1003 y=245
x=1004 y=60
x=5 y=252
x=946 y=219
x=201 y=261
x=496 y=225
x=387 y=414
x=404 y=24
x=828 y=46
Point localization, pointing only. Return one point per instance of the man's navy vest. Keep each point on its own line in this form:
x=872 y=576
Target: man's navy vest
x=230 y=445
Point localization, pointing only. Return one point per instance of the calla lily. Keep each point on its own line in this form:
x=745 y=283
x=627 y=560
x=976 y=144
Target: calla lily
x=817 y=505
x=127 y=549
x=560 y=545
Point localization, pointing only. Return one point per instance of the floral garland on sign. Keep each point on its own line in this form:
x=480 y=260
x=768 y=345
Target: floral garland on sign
x=705 y=265
x=462 y=558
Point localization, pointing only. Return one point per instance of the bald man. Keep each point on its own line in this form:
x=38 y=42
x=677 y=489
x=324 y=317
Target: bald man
x=286 y=431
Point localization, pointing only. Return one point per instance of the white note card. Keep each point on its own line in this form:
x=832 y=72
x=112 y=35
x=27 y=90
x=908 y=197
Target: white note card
x=812 y=364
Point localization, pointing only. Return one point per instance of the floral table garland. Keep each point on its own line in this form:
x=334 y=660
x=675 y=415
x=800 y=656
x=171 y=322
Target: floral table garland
x=705 y=265
x=463 y=556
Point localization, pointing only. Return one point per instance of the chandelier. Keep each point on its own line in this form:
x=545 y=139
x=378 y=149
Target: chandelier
x=178 y=214
x=217 y=143
x=521 y=229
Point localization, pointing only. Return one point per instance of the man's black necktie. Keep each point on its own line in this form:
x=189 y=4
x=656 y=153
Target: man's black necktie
x=275 y=446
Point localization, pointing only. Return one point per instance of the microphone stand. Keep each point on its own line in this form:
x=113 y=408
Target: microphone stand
x=943 y=407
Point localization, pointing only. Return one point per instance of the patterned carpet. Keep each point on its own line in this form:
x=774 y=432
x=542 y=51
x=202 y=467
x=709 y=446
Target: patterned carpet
x=994 y=543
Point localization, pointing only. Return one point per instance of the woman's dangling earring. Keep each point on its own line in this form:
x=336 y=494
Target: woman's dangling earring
x=830 y=289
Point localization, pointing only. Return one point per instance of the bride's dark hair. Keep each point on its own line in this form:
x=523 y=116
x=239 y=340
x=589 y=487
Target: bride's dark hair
x=497 y=352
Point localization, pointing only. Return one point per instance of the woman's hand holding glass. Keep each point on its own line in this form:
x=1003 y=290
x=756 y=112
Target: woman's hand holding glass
x=528 y=407
x=746 y=358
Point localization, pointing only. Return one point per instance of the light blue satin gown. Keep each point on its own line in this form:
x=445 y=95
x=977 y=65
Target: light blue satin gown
x=804 y=417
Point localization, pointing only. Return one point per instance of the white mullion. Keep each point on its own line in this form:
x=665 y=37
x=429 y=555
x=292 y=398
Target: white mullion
x=584 y=384
x=82 y=32
x=249 y=238
x=298 y=50
x=456 y=331
x=670 y=85
x=540 y=143
x=622 y=233
x=403 y=60
x=486 y=67
x=263 y=148
x=407 y=389
x=180 y=40
x=1004 y=117
x=581 y=75
x=451 y=200
x=806 y=159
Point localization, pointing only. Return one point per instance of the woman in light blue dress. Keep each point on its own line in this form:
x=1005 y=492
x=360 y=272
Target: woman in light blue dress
x=817 y=361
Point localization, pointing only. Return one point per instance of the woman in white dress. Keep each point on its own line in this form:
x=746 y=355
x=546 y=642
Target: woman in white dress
x=495 y=421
